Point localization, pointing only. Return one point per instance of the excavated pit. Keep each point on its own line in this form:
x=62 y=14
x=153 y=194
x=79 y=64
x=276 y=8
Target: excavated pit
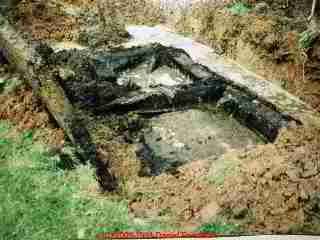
x=174 y=109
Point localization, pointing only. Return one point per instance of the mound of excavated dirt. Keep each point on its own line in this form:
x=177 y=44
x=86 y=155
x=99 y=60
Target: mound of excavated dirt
x=93 y=23
x=64 y=21
x=43 y=21
x=175 y=198
x=275 y=188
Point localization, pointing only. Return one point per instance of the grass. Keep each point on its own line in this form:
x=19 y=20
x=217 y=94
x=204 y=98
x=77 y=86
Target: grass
x=239 y=8
x=219 y=227
x=307 y=38
x=41 y=201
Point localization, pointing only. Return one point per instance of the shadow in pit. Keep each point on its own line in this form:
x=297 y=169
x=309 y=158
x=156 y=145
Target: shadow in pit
x=89 y=153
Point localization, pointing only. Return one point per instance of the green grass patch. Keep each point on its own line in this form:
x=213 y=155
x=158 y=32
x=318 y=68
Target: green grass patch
x=9 y=85
x=219 y=226
x=239 y=9
x=307 y=38
x=41 y=201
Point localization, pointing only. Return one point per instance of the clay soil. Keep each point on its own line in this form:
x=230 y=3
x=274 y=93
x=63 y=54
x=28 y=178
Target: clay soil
x=22 y=110
x=275 y=188
x=176 y=198
x=271 y=189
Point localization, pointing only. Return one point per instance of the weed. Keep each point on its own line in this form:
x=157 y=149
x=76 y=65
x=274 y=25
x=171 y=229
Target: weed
x=239 y=9
x=2 y=84
x=306 y=39
x=218 y=226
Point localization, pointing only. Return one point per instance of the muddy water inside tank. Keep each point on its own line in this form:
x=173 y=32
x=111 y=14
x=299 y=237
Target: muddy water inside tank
x=175 y=138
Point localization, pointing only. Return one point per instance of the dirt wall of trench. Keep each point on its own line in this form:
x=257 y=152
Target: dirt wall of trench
x=92 y=23
x=266 y=40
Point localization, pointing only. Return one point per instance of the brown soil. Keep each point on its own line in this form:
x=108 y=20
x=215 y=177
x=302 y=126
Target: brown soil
x=47 y=20
x=21 y=109
x=172 y=198
x=275 y=188
x=180 y=196
x=176 y=198
x=269 y=189
x=42 y=21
